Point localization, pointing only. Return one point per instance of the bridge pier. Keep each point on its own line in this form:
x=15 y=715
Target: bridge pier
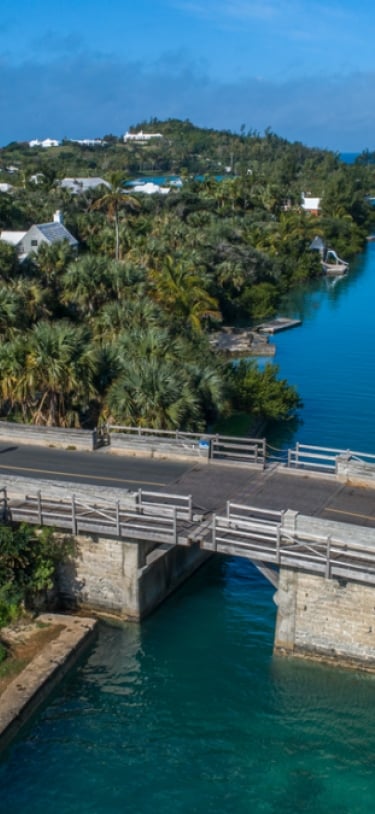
x=124 y=579
x=325 y=619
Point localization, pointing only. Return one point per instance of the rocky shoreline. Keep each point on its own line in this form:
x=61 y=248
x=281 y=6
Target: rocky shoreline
x=241 y=342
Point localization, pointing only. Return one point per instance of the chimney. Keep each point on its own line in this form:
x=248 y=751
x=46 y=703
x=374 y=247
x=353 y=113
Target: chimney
x=58 y=216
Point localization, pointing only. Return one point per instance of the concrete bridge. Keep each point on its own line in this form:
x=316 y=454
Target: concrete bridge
x=308 y=526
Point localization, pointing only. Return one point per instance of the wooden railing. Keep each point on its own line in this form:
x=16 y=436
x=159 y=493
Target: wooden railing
x=306 y=456
x=224 y=448
x=156 y=517
x=257 y=535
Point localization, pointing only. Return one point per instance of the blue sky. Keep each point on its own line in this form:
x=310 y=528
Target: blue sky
x=84 y=68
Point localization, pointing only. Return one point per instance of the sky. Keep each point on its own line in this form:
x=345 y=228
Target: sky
x=86 y=68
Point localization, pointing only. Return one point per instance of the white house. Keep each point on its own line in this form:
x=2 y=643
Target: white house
x=79 y=185
x=311 y=205
x=50 y=233
x=148 y=188
x=141 y=136
x=47 y=142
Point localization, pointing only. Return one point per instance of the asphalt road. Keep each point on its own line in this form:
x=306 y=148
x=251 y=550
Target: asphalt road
x=99 y=468
x=210 y=486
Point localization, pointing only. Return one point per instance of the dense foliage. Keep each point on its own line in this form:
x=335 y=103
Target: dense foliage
x=122 y=331
x=28 y=562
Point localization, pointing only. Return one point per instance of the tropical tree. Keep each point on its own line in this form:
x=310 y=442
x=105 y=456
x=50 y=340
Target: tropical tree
x=261 y=393
x=49 y=373
x=112 y=201
x=183 y=291
x=154 y=394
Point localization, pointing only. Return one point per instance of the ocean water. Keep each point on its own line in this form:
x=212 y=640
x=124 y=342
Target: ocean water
x=190 y=712
x=330 y=358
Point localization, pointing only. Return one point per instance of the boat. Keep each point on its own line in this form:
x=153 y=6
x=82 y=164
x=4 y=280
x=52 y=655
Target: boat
x=337 y=266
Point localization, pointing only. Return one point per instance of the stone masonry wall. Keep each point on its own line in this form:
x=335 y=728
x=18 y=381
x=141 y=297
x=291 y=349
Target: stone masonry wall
x=127 y=580
x=326 y=618
x=103 y=576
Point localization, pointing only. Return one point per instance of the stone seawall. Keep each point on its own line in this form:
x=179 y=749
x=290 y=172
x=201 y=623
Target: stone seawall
x=330 y=619
x=31 y=687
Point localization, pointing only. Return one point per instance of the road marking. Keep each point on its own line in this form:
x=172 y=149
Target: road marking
x=74 y=475
x=350 y=514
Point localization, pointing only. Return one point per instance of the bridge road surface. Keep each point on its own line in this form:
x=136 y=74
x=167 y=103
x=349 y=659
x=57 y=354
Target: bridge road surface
x=211 y=485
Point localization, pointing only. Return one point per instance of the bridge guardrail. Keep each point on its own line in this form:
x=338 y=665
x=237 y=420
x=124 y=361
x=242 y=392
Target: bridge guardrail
x=79 y=517
x=208 y=445
x=265 y=540
x=307 y=456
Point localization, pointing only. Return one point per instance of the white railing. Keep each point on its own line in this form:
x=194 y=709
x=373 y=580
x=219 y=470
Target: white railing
x=238 y=533
x=154 y=517
x=307 y=456
x=218 y=447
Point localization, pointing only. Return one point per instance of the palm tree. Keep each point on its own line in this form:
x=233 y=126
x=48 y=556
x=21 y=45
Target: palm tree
x=85 y=284
x=112 y=201
x=49 y=373
x=182 y=291
x=155 y=394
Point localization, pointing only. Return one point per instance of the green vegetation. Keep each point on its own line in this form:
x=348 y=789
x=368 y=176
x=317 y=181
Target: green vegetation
x=122 y=331
x=28 y=561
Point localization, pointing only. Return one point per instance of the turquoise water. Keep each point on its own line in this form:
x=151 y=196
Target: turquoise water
x=190 y=712
x=331 y=360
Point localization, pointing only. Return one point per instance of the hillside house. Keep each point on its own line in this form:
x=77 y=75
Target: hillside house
x=141 y=137
x=310 y=205
x=27 y=242
x=77 y=186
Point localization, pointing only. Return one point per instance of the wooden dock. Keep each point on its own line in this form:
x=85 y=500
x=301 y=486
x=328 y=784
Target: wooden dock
x=275 y=326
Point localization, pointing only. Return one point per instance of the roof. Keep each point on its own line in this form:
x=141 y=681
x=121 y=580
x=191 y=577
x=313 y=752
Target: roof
x=13 y=238
x=53 y=232
x=310 y=203
x=77 y=185
x=317 y=243
x=149 y=188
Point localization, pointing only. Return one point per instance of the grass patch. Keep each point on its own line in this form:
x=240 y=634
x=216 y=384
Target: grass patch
x=11 y=667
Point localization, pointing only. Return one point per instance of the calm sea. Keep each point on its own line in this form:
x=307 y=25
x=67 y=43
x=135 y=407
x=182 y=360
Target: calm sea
x=190 y=712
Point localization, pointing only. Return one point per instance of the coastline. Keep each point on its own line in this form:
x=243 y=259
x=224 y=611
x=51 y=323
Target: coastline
x=32 y=685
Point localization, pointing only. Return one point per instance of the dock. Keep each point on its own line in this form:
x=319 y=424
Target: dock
x=275 y=326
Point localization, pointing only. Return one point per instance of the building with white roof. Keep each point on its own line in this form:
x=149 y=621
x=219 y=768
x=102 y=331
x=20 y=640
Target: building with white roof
x=311 y=205
x=47 y=142
x=79 y=185
x=148 y=188
x=50 y=233
x=141 y=136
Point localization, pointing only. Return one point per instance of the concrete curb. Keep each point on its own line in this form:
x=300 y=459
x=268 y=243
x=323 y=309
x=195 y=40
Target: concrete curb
x=31 y=687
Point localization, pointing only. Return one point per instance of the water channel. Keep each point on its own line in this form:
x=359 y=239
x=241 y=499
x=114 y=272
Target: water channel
x=190 y=712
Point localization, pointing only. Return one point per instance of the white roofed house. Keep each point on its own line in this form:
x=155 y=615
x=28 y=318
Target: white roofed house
x=141 y=137
x=49 y=233
x=310 y=205
x=77 y=186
